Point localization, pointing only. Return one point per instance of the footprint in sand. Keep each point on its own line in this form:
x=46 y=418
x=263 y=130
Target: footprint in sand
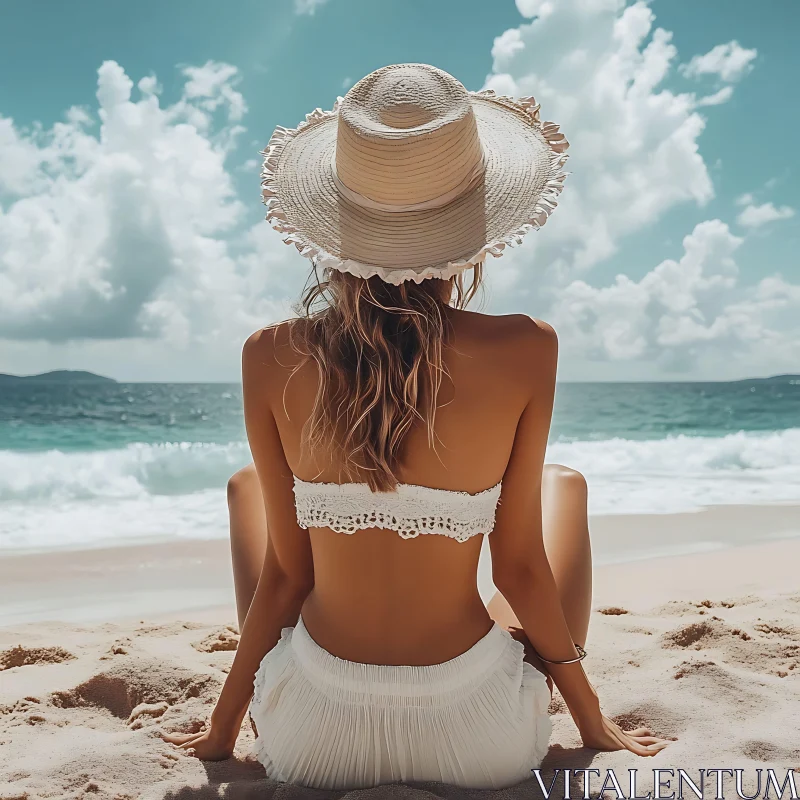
x=20 y=656
x=168 y=760
x=612 y=611
x=143 y=711
x=696 y=633
x=772 y=628
x=701 y=634
x=682 y=608
x=651 y=716
x=694 y=668
x=712 y=604
x=640 y=629
x=14 y=794
x=765 y=652
x=120 y=647
x=223 y=640
x=129 y=682
x=766 y=751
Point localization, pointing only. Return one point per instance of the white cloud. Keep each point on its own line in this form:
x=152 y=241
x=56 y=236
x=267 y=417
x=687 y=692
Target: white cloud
x=681 y=311
x=718 y=98
x=133 y=230
x=508 y=43
x=211 y=86
x=754 y=216
x=149 y=85
x=729 y=62
x=535 y=8
x=307 y=6
x=20 y=159
x=597 y=67
x=252 y=166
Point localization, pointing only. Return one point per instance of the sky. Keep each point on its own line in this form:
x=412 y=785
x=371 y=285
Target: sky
x=132 y=238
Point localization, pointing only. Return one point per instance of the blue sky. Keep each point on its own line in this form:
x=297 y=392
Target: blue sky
x=132 y=240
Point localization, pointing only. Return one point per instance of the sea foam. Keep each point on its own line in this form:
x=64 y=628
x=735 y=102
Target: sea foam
x=144 y=492
x=685 y=473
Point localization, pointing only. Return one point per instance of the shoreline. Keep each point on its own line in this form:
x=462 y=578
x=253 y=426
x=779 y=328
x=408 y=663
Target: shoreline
x=701 y=552
x=783 y=517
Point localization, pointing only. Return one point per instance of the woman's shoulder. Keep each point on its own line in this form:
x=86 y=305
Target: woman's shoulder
x=271 y=345
x=515 y=354
x=531 y=329
x=263 y=337
x=509 y=332
x=269 y=357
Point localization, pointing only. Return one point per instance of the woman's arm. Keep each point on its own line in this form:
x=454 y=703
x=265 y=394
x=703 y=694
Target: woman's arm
x=276 y=605
x=287 y=574
x=520 y=567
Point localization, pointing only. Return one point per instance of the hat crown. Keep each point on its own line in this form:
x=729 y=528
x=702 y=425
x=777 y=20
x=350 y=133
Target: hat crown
x=407 y=136
x=404 y=100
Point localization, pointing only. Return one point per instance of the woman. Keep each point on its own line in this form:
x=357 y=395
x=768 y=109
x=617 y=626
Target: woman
x=386 y=411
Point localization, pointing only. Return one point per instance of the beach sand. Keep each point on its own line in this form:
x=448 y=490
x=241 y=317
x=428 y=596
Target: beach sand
x=101 y=650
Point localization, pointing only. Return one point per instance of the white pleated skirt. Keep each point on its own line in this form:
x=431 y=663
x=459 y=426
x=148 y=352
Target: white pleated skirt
x=477 y=721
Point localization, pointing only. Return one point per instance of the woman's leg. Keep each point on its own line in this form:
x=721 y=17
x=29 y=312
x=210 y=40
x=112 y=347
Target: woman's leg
x=565 y=525
x=248 y=536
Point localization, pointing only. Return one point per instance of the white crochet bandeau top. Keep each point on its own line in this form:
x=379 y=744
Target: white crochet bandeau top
x=410 y=509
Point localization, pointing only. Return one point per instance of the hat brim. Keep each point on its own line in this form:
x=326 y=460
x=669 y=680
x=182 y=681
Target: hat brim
x=523 y=177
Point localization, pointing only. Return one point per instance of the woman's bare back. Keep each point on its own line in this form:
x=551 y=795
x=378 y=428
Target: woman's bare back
x=381 y=599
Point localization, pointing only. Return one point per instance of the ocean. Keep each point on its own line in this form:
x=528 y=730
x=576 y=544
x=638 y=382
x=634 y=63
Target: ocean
x=95 y=464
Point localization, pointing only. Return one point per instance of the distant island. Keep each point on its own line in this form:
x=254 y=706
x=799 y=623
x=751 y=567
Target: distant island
x=56 y=376
x=81 y=376
x=771 y=379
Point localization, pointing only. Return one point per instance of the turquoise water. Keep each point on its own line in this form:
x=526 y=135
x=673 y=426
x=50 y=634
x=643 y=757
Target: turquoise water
x=86 y=417
x=84 y=464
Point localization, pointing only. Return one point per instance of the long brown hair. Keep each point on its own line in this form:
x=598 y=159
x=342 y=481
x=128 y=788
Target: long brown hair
x=378 y=350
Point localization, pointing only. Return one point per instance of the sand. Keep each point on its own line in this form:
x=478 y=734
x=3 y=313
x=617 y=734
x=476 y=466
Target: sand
x=105 y=649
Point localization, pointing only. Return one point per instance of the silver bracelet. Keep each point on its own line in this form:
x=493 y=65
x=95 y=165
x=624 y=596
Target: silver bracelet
x=581 y=656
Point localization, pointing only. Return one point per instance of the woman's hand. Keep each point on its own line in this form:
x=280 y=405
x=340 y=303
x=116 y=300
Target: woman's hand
x=601 y=733
x=207 y=745
x=607 y=735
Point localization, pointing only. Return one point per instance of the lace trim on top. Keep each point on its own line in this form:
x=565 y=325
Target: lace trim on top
x=410 y=510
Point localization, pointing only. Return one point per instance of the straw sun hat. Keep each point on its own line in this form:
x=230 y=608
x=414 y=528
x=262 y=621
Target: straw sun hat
x=410 y=176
